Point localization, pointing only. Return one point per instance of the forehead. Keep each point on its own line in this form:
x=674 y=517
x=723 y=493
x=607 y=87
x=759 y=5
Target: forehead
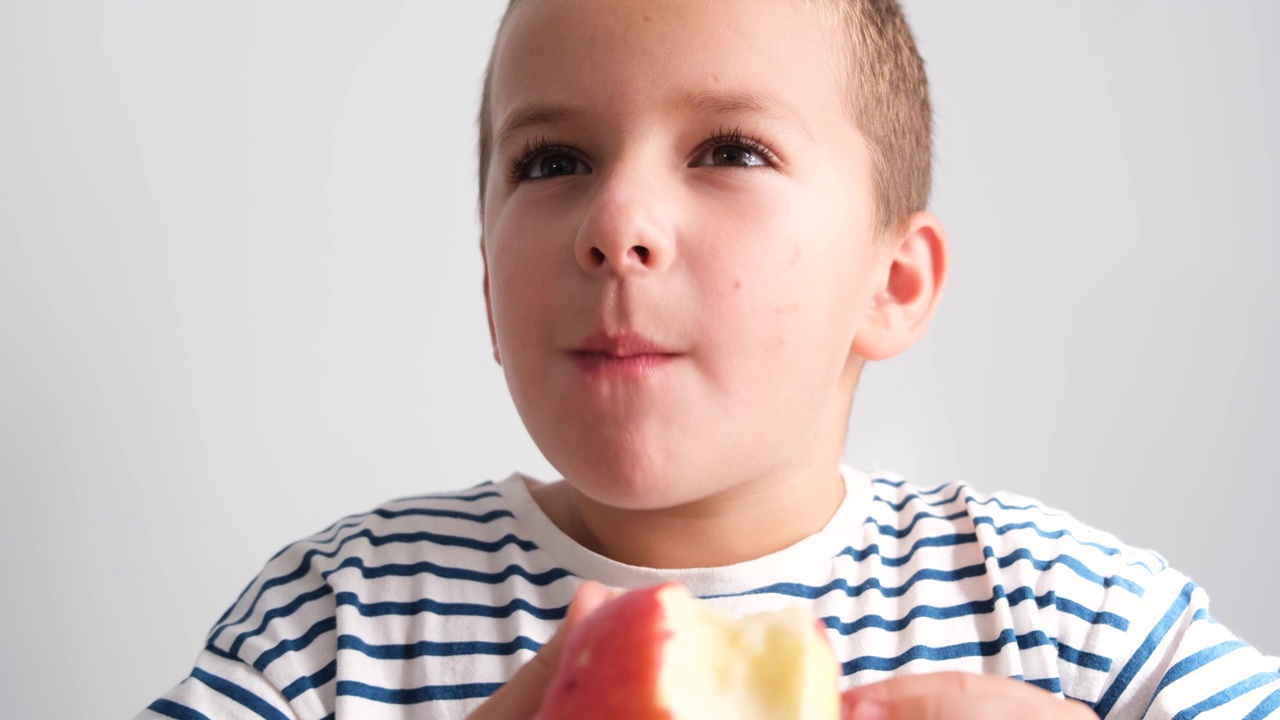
x=640 y=57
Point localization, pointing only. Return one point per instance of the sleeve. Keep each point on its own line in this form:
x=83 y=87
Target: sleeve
x=273 y=654
x=1181 y=663
x=221 y=688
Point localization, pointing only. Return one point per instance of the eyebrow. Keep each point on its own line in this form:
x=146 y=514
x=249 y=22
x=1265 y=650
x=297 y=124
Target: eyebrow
x=711 y=103
x=734 y=102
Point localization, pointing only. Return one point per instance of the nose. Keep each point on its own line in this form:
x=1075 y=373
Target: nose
x=627 y=229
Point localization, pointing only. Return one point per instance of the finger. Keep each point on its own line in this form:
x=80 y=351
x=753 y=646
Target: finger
x=520 y=697
x=948 y=684
x=957 y=696
x=975 y=707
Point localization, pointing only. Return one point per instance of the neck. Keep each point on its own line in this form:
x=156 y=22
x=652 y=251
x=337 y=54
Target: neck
x=755 y=518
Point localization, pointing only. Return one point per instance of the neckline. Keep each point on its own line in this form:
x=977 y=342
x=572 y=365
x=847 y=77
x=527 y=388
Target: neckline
x=812 y=554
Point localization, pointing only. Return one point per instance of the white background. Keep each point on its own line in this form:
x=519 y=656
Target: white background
x=240 y=297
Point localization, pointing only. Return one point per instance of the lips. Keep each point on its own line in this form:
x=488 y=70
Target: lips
x=621 y=345
x=626 y=354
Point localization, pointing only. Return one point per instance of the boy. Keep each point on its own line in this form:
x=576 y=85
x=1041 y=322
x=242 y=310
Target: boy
x=700 y=219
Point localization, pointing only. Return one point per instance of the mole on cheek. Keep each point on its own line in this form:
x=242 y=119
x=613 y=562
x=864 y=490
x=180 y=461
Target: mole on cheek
x=737 y=284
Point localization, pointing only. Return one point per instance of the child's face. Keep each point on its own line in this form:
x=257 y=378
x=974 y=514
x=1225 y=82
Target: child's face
x=748 y=265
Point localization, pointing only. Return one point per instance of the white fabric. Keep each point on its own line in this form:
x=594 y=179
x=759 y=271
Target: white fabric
x=424 y=606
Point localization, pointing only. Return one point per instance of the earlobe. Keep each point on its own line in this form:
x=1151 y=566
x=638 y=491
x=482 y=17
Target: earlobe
x=906 y=290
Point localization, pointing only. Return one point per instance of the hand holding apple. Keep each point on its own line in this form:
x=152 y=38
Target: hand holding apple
x=957 y=696
x=660 y=654
x=519 y=697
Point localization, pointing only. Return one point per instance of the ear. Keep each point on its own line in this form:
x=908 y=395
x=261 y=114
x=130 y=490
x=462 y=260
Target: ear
x=488 y=305
x=905 y=290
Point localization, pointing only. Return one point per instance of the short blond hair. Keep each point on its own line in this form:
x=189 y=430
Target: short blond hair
x=888 y=102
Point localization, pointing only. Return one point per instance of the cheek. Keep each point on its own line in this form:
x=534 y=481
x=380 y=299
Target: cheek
x=518 y=265
x=785 y=308
x=783 y=259
x=518 y=313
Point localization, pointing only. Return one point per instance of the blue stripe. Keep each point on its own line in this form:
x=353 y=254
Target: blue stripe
x=283 y=611
x=1194 y=662
x=1096 y=617
x=428 y=648
x=1075 y=565
x=1000 y=530
x=898 y=506
x=463 y=498
x=976 y=607
x=900 y=533
x=1144 y=652
x=214 y=649
x=1088 y=660
x=171 y=709
x=377 y=541
x=336 y=527
x=1203 y=615
x=1057 y=535
x=448 y=573
x=239 y=597
x=1020 y=508
x=301 y=642
x=354 y=519
x=1053 y=685
x=936 y=541
x=901 y=483
x=413 y=696
x=1269 y=705
x=358 y=519
x=985 y=648
x=252 y=702
x=1225 y=696
x=427 y=605
x=811 y=592
x=481 y=518
x=310 y=682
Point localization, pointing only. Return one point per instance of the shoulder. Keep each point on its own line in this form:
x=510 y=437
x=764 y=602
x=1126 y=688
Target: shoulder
x=478 y=517
x=384 y=591
x=400 y=540
x=1012 y=528
x=1062 y=579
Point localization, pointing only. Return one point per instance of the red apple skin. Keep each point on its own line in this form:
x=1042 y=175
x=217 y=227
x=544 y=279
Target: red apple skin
x=632 y=631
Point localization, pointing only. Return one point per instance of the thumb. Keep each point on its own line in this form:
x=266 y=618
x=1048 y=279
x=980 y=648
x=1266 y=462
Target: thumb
x=521 y=696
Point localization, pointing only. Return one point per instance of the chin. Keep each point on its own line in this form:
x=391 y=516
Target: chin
x=630 y=480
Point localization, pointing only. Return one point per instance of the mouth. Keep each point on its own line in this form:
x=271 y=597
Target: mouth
x=621 y=355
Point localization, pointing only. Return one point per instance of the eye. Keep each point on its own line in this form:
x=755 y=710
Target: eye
x=542 y=159
x=732 y=149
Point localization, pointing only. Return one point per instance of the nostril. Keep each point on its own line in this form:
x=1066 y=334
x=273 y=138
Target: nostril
x=597 y=256
x=642 y=252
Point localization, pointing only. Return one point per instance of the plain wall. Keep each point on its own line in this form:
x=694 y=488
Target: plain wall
x=240 y=297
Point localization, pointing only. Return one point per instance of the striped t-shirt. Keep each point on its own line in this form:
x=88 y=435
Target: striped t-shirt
x=424 y=606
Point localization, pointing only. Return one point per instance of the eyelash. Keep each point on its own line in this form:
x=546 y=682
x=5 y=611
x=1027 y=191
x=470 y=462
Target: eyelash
x=537 y=147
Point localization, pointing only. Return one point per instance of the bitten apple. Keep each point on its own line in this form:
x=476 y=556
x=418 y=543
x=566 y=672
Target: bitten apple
x=660 y=654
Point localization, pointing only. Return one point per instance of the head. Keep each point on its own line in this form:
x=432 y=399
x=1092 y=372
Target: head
x=699 y=221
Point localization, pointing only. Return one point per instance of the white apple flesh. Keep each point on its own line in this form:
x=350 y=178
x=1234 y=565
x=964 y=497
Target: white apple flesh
x=660 y=654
